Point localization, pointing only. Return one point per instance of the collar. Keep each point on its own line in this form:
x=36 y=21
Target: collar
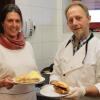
x=81 y=42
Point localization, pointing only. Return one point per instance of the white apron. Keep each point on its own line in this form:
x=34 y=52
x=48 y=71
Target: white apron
x=20 y=93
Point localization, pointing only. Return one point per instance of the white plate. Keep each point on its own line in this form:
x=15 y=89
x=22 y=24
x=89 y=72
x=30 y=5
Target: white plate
x=48 y=91
x=40 y=81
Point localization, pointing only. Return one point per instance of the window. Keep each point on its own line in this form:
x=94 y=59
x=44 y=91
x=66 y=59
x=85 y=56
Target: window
x=94 y=10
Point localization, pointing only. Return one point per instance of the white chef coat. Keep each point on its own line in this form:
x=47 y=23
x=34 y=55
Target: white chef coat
x=69 y=68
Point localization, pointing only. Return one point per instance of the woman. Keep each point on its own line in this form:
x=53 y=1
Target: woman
x=16 y=56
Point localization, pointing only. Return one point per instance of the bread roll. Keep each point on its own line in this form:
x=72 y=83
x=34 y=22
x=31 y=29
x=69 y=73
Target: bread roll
x=60 y=87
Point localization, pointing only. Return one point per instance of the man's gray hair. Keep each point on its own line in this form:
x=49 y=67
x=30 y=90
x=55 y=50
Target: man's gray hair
x=77 y=3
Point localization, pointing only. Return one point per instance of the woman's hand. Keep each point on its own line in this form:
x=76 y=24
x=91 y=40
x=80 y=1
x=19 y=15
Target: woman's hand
x=6 y=82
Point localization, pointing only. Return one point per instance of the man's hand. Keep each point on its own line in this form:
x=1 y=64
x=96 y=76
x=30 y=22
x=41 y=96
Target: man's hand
x=75 y=93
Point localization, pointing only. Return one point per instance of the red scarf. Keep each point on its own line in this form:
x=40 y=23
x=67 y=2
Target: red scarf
x=13 y=44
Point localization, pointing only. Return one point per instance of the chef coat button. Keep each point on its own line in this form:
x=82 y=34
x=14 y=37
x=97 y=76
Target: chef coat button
x=64 y=74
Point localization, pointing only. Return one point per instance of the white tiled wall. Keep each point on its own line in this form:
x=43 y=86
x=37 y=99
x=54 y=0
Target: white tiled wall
x=48 y=17
x=45 y=38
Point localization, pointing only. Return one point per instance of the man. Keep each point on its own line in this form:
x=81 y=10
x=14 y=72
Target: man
x=77 y=61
